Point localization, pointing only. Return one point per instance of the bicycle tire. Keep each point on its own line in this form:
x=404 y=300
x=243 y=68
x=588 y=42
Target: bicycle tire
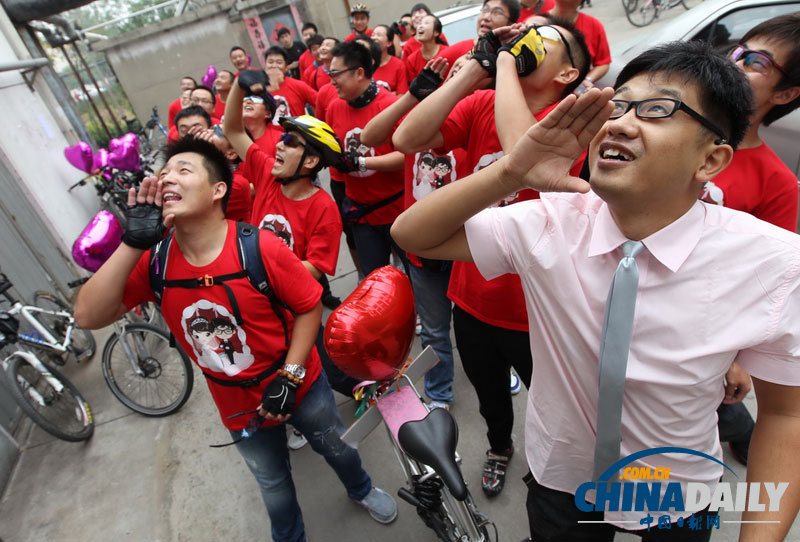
x=82 y=343
x=642 y=15
x=159 y=384
x=629 y=5
x=66 y=415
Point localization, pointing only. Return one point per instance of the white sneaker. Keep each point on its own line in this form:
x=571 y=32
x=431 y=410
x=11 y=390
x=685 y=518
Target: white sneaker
x=296 y=440
x=515 y=383
x=418 y=327
x=438 y=404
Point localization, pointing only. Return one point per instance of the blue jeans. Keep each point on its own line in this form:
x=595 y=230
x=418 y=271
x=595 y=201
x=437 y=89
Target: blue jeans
x=374 y=246
x=267 y=457
x=430 y=292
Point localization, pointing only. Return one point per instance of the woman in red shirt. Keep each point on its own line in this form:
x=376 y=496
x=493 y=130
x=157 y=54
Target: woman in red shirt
x=429 y=35
x=391 y=72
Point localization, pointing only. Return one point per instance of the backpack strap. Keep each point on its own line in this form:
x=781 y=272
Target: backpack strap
x=158 y=265
x=253 y=265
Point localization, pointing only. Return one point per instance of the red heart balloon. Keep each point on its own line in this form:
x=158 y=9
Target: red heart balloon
x=369 y=335
x=81 y=156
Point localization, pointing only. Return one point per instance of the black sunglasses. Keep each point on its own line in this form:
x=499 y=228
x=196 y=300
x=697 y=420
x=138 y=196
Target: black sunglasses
x=659 y=108
x=336 y=73
x=291 y=140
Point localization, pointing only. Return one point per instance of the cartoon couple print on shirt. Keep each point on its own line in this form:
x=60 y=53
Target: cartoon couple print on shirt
x=218 y=343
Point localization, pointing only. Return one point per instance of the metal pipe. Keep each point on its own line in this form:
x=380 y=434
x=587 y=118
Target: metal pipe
x=86 y=92
x=99 y=92
x=23 y=64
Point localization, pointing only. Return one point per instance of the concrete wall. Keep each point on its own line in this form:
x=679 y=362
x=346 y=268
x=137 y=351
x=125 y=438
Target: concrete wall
x=150 y=62
x=32 y=143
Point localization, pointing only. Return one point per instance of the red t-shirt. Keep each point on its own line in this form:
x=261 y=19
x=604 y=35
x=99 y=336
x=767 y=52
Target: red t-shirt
x=411 y=46
x=240 y=203
x=292 y=97
x=326 y=95
x=392 y=76
x=198 y=318
x=415 y=62
x=174 y=109
x=172 y=134
x=595 y=36
x=457 y=50
x=318 y=77
x=525 y=13
x=368 y=186
x=311 y=227
x=426 y=171
x=352 y=36
x=219 y=107
x=305 y=60
x=471 y=126
x=757 y=182
x=268 y=141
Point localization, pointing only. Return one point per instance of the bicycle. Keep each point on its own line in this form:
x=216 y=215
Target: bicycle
x=141 y=367
x=42 y=392
x=649 y=10
x=424 y=442
x=152 y=138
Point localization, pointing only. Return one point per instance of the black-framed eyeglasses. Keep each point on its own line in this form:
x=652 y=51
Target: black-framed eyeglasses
x=660 y=108
x=494 y=13
x=291 y=140
x=551 y=33
x=755 y=60
x=337 y=73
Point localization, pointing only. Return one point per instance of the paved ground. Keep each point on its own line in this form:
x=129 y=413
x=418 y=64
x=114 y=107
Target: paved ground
x=143 y=479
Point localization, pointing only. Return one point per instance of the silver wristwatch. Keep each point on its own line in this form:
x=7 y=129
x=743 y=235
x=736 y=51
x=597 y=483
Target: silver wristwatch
x=297 y=371
x=362 y=163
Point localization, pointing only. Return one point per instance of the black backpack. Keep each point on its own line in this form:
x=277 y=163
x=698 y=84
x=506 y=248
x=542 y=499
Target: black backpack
x=249 y=251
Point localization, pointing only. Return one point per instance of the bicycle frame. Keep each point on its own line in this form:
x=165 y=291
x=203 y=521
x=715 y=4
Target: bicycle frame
x=41 y=368
x=462 y=514
x=47 y=341
x=133 y=357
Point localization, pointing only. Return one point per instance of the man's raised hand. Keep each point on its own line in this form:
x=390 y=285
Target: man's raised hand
x=145 y=225
x=541 y=159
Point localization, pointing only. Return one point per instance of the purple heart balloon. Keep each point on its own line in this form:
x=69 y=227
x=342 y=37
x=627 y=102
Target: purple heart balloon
x=123 y=152
x=100 y=160
x=98 y=240
x=81 y=156
x=208 y=78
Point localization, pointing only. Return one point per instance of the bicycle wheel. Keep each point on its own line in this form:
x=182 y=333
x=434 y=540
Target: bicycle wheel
x=82 y=344
x=64 y=414
x=629 y=5
x=643 y=14
x=145 y=373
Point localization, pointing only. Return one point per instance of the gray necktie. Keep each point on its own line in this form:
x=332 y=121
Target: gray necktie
x=614 y=346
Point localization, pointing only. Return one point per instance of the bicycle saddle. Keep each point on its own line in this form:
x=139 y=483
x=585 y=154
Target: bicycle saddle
x=432 y=440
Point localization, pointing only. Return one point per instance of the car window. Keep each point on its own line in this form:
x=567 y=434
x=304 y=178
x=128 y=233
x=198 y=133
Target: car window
x=460 y=30
x=729 y=29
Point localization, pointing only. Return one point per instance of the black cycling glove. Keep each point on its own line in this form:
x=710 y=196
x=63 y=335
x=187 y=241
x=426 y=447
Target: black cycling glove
x=528 y=51
x=279 y=396
x=424 y=84
x=248 y=78
x=485 y=52
x=348 y=162
x=144 y=226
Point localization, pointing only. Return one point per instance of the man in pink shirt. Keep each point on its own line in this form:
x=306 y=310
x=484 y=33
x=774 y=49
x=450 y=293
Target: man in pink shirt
x=714 y=285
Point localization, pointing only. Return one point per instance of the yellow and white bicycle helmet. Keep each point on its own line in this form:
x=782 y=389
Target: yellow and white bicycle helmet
x=318 y=135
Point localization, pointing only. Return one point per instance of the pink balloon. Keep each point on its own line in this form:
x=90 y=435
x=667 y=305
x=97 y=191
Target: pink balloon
x=100 y=160
x=249 y=59
x=369 y=335
x=123 y=152
x=81 y=156
x=208 y=78
x=98 y=240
